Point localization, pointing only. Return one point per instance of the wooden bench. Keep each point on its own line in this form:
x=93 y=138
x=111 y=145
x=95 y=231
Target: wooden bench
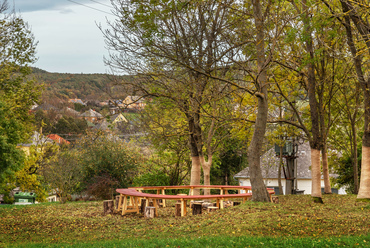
x=135 y=196
x=223 y=189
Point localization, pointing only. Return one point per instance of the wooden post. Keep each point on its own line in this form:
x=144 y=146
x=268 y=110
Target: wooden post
x=197 y=208
x=143 y=205
x=183 y=207
x=155 y=205
x=149 y=212
x=108 y=206
x=124 y=205
x=120 y=198
x=222 y=199
x=163 y=200
x=178 y=209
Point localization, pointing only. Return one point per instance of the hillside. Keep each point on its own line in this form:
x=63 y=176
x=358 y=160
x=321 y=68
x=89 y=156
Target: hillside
x=65 y=86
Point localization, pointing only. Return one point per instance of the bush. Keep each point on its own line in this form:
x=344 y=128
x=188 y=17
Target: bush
x=108 y=164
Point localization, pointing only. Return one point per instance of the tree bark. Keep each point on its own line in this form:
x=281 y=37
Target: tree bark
x=351 y=14
x=315 y=141
x=149 y=212
x=178 y=209
x=108 y=206
x=197 y=208
x=316 y=175
x=354 y=157
x=259 y=192
x=195 y=173
x=143 y=205
x=195 y=145
x=364 y=190
x=325 y=170
x=206 y=165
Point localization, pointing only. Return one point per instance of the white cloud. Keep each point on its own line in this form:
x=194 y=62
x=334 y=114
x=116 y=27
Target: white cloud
x=37 y=5
x=69 y=40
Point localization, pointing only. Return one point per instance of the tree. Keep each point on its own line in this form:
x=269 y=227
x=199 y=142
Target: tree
x=353 y=16
x=65 y=174
x=171 y=46
x=17 y=91
x=319 y=73
x=108 y=163
x=361 y=23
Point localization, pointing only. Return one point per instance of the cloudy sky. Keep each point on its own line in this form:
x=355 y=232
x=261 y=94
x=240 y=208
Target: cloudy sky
x=69 y=39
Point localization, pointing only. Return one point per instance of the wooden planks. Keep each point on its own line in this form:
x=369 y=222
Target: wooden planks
x=135 y=195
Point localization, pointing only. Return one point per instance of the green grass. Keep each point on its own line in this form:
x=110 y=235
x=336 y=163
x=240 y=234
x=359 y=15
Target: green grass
x=295 y=222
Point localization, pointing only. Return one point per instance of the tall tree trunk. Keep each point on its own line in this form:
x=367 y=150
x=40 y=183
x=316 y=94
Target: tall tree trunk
x=315 y=141
x=354 y=156
x=325 y=169
x=196 y=157
x=259 y=192
x=364 y=189
x=316 y=175
x=281 y=161
x=206 y=165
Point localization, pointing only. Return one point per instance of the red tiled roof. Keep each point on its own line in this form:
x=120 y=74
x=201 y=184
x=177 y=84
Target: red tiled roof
x=58 y=139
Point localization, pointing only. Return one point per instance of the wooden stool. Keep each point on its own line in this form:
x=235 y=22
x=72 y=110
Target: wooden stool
x=108 y=206
x=149 y=212
x=197 y=208
x=212 y=209
x=178 y=209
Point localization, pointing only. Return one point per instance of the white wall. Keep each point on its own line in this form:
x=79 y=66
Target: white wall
x=302 y=184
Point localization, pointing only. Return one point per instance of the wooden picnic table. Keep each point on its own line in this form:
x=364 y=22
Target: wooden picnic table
x=136 y=194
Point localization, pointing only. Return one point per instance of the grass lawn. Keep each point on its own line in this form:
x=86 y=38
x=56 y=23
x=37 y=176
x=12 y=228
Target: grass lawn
x=294 y=222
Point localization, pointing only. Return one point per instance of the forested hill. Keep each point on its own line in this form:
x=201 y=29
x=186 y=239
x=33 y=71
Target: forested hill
x=65 y=86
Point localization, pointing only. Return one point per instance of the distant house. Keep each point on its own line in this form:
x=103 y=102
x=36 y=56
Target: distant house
x=36 y=139
x=269 y=166
x=91 y=115
x=35 y=105
x=104 y=103
x=70 y=111
x=58 y=139
x=75 y=100
x=134 y=102
x=117 y=118
x=114 y=110
x=45 y=107
x=102 y=125
x=114 y=120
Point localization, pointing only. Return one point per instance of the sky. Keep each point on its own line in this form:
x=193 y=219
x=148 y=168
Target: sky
x=69 y=40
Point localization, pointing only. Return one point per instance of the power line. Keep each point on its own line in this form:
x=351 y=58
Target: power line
x=106 y=5
x=91 y=7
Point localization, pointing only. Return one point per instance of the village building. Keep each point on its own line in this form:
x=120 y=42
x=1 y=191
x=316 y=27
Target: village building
x=134 y=102
x=303 y=179
x=75 y=100
x=91 y=115
x=56 y=138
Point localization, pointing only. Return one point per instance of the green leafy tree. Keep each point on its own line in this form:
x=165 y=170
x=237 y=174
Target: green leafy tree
x=65 y=174
x=17 y=91
x=108 y=163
